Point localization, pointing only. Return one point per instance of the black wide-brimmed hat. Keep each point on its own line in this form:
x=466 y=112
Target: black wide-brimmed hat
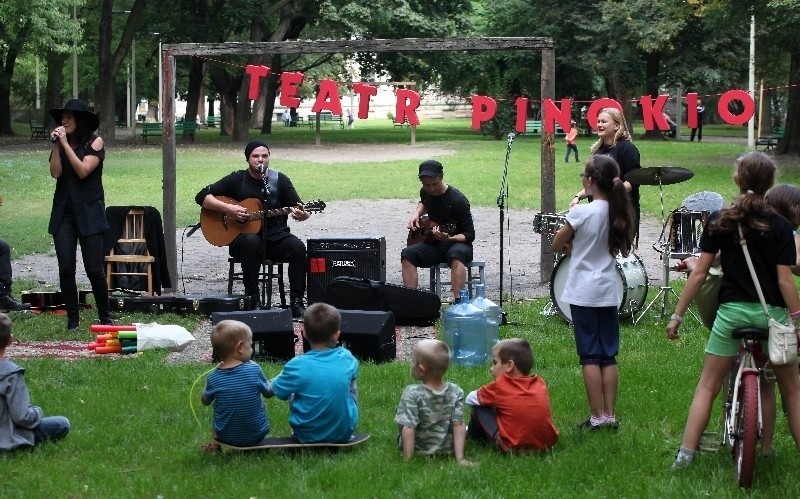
x=77 y=106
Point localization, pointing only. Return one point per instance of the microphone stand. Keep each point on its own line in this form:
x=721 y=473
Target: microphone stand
x=264 y=206
x=501 y=203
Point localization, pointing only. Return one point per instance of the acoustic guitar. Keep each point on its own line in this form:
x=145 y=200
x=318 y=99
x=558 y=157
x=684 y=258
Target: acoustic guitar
x=424 y=234
x=221 y=230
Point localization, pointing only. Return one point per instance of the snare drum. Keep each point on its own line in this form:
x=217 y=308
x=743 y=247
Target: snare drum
x=684 y=232
x=548 y=224
x=631 y=281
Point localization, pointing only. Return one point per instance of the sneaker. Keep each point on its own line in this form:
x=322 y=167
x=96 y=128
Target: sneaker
x=107 y=321
x=611 y=425
x=73 y=325
x=680 y=464
x=587 y=425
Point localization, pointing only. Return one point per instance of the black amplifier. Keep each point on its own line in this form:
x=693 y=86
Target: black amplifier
x=343 y=256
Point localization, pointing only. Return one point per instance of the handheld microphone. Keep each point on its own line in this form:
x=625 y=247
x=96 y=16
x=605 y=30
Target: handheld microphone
x=54 y=139
x=261 y=168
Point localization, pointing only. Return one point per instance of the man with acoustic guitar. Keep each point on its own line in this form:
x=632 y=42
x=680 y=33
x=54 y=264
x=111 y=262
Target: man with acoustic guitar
x=272 y=190
x=441 y=229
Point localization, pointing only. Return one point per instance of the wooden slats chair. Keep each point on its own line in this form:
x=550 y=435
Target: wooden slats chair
x=130 y=256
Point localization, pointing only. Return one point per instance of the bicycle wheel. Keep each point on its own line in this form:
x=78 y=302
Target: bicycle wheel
x=746 y=431
x=727 y=405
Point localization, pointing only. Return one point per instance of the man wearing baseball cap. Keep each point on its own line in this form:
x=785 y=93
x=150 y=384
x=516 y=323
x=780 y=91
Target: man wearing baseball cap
x=442 y=223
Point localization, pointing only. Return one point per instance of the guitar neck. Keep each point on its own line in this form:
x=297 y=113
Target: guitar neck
x=260 y=215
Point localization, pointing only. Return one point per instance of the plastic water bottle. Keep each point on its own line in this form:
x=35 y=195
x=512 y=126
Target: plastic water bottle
x=494 y=316
x=465 y=332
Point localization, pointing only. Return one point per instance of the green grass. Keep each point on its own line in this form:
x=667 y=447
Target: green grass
x=134 y=432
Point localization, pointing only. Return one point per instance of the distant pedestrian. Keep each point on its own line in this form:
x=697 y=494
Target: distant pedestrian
x=287 y=117
x=701 y=113
x=350 y=119
x=570 y=139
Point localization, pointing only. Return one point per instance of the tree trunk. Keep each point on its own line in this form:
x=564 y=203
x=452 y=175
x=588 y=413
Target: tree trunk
x=271 y=92
x=790 y=143
x=52 y=91
x=652 y=68
x=5 y=91
x=195 y=89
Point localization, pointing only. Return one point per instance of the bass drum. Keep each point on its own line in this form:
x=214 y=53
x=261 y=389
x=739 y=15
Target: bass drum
x=631 y=281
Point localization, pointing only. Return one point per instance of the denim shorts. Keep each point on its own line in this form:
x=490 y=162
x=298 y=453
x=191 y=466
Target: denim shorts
x=596 y=334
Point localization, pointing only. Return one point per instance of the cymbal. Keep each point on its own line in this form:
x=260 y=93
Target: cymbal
x=659 y=175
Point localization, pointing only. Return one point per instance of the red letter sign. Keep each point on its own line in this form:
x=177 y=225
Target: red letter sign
x=483 y=109
x=289 y=83
x=552 y=114
x=747 y=103
x=364 y=92
x=256 y=73
x=522 y=114
x=654 y=111
x=328 y=98
x=406 y=106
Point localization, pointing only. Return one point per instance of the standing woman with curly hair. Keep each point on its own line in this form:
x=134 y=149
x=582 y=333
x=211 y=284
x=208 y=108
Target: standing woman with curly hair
x=771 y=243
x=79 y=212
x=614 y=139
x=593 y=236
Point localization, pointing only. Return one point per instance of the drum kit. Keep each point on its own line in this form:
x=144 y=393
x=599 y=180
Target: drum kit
x=685 y=226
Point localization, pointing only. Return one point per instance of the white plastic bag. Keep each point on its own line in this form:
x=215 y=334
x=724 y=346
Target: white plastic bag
x=155 y=335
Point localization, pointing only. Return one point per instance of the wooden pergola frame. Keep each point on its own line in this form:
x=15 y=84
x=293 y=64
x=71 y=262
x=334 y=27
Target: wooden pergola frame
x=171 y=51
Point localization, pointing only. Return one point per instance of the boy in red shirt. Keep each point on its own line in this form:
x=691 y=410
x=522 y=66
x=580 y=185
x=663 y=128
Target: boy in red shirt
x=513 y=411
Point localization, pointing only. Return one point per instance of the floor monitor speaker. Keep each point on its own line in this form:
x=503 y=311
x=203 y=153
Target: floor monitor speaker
x=369 y=335
x=273 y=331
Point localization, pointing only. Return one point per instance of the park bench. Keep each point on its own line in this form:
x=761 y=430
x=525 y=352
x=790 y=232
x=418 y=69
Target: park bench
x=38 y=131
x=151 y=130
x=186 y=128
x=326 y=119
x=770 y=141
x=535 y=127
x=401 y=125
x=213 y=121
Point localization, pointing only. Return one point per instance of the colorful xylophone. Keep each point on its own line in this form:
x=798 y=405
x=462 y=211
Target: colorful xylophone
x=113 y=339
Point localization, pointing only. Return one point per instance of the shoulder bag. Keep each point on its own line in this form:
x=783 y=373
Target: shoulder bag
x=782 y=343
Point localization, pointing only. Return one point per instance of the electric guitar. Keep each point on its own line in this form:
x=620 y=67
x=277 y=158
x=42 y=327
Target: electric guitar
x=220 y=230
x=424 y=234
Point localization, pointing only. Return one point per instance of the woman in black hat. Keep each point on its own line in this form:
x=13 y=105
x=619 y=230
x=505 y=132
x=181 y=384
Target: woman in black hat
x=79 y=212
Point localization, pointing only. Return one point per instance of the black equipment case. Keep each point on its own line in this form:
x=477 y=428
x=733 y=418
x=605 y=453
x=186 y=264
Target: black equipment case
x=411 y=307
x=184 y=304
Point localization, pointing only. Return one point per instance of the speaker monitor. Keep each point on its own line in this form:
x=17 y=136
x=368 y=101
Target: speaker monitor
x=369 y=335
x=363 y=257
x=273 y=331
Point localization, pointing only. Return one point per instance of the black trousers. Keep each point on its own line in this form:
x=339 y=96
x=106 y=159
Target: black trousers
x=289 y=249
x=66 y=241
x=5 y=267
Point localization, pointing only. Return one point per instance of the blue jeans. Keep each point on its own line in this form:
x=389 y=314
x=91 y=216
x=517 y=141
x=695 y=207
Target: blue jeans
x=51 y=428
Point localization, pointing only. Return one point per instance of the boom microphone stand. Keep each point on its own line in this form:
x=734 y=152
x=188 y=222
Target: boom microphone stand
x=264 y=206
x=501 y=203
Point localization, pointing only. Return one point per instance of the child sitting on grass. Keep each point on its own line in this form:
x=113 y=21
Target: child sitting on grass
x=21 y=424
x=320 y=385
x=235 y=388
x=431 y=414
x=513 y=411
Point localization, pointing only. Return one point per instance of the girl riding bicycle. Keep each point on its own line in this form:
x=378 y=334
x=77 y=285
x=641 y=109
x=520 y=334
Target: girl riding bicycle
x=770 y=240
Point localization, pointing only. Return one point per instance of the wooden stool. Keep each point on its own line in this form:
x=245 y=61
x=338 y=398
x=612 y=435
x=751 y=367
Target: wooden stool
x=265 y=278
x=472 y=278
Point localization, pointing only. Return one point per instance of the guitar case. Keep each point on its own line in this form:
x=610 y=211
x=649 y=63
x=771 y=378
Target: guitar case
x=411 y=307
x=184 y=304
